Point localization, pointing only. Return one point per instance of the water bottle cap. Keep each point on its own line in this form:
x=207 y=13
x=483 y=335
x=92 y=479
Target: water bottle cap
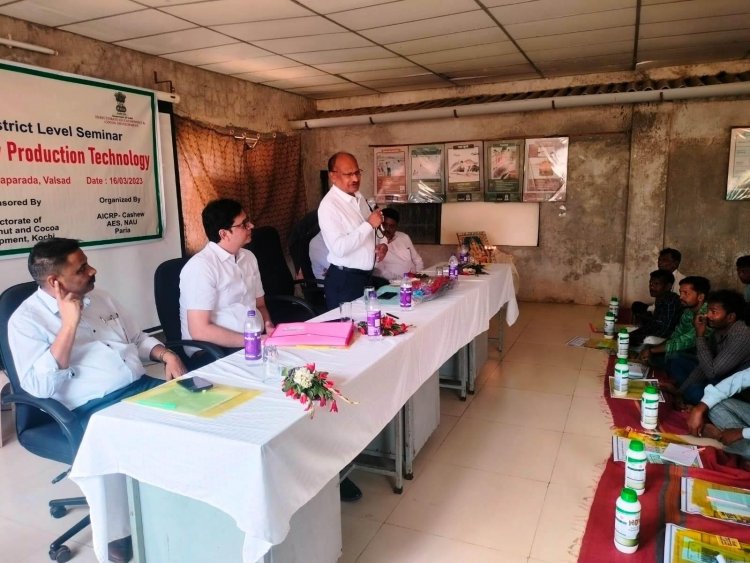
x=251 y=313
x=636 y=445
x=650 y=389
x=628 y=495
x=622 y=361
x=624 y=331
x=406 y=275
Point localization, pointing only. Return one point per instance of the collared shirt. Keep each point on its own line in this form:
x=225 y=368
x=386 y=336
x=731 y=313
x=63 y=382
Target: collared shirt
x=665 y=316
x=318 y=256
x=683 y=337
x=714 y=394
x=105 y=357
x=678 y=277
x=720 y=354
x=401 y=258
x=350 y=239
x=217 y=281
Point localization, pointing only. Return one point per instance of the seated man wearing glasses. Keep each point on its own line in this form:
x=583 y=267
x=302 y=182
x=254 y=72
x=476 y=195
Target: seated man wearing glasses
x=222 y=282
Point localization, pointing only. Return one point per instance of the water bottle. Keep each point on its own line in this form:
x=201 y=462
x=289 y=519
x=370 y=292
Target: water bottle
x=453 y=267
x=614 y=306
x=623 y=343
x=373 y=317
x=650 y=407
x=405 y=294
x=463 y=255
x=368 y=290
x=253 y=329
x=627 y=521
x=620 y=388
x=635 y=467
x=609 y=325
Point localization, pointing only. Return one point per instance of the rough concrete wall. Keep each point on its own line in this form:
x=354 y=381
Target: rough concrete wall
x=579 y=258
x=709 y=231
x=205 y=96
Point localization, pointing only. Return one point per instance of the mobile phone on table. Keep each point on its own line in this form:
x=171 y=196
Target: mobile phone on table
x=195 y=384
x=387 y=295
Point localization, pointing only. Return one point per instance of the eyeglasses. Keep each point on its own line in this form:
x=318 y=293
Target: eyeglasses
x=356 y=173
x=246 y=224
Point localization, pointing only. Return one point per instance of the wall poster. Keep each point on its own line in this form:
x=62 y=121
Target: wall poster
x=545 y=170
x=464 y=171
x=390 y=174
x=738 y=177
x=503 y=165
x=79 y=158
x=427 y=174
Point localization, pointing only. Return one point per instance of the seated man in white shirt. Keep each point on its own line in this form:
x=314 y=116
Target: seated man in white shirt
x=318 y=256
x=401 y=257
x=75 y=344
x=222 y=282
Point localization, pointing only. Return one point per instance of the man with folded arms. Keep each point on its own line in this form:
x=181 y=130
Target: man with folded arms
x=723 y=352
x=77 y=345
x=660 y=323
x=728 y=411
x=219 y=284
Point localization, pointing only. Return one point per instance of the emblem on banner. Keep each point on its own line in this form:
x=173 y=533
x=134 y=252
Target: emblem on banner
x=120 y=107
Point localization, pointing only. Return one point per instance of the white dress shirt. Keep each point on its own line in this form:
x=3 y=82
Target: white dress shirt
x=217 y=281
x=401 y=257
x=350 y=239
x=106 y=354
x=726 y=388
x=318 y=256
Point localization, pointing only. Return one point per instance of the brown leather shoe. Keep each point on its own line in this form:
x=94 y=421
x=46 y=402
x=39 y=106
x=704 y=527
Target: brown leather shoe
x=120 y=551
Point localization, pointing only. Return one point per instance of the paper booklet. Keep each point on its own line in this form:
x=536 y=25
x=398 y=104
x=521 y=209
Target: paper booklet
x=719 y=502
x=684 y=545
x=635 y=389
x=312 y=334
x=655 y=444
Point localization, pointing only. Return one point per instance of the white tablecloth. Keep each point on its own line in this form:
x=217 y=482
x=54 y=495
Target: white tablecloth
x=263 y=460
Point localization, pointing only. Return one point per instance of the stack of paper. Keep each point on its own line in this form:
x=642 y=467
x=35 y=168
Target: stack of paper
x=655 y=444
x=685 y=545
x=719 y=502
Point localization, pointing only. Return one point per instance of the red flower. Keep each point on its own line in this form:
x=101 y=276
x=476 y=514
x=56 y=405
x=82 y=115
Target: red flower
x=334 y=406
x=303 y=399
x=322 y=401
x=310 y=368
x=387 y=322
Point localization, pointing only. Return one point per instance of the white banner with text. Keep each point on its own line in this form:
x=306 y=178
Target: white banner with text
x=78 y=159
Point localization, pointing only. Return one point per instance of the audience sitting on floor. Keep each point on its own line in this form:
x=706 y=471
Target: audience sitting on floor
x=669 y=259
x=723 y=352
x=729 y=415
x=677 y=354
x=656 y=326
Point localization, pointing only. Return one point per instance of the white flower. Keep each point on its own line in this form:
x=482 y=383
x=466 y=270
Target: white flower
x=303 y=377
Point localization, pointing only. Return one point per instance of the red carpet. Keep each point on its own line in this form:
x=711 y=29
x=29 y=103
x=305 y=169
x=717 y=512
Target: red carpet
x=660 y=503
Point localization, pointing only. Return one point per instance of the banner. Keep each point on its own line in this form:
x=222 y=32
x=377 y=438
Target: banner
x=464 y=171
x=78 y=158
x=503 y=160
x=427 y=169
x=390 y=174
x=545 y=170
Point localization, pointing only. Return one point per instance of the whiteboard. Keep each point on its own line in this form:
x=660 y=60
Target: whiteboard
x=127 y=272
x=508 y=224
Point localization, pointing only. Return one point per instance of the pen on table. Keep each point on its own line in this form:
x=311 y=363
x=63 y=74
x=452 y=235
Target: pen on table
x=394 y=316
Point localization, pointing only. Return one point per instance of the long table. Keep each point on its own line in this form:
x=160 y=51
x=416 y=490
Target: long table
x=265 y=459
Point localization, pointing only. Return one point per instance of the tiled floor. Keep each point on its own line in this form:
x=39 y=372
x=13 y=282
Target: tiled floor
x=507 y=477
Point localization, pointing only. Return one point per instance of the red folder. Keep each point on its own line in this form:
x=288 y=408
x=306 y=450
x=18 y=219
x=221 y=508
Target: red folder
x=312 y=334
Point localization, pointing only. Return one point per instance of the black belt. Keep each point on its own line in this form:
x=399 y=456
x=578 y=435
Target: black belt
x=353 y=270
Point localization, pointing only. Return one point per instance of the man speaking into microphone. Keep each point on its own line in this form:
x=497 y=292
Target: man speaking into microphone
x=350 y=231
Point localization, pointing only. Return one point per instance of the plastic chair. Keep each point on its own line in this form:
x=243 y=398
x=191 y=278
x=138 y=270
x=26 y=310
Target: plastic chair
x=167 y=298
x=45 y=427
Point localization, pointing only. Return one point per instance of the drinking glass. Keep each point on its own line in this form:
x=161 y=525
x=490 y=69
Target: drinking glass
x=345 y=311
x=271 y=367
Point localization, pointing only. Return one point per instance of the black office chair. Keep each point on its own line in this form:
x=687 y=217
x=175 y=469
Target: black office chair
x=44 y=426
x=277 y=280
x=299 y=249
x=167 y=297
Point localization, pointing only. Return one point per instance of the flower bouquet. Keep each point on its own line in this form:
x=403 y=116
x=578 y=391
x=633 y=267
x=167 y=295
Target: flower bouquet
x=472 y=269
x=388 y=326
x=431 y=288
x=307 y=386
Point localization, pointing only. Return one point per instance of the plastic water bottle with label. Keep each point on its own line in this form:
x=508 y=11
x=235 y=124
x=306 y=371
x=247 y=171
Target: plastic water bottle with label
x=463 y=254
x=453 y=267
x=373 y=318
x=405 y=294
x=252 y=332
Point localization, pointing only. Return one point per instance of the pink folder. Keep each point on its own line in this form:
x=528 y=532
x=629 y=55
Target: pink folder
x=312 y=334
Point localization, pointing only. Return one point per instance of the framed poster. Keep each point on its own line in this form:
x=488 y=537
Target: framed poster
x=390 y=174
x=477 y=244
x=427 y=174
x=738 y=177
x=503 y=166
x=464 y=171
x=545 y=169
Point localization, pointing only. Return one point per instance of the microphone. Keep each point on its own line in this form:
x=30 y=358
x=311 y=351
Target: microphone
x=373 y=205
